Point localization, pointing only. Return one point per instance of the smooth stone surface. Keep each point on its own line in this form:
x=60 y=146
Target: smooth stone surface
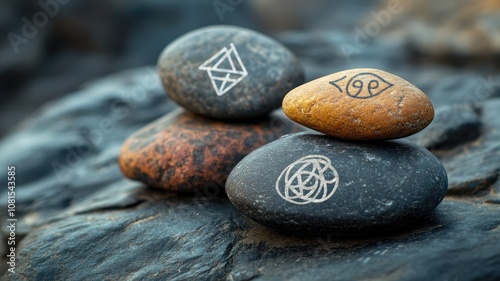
x=264 y=71
x=313 y=183
x=453 y=126
x=183 y=151
x=360 y=104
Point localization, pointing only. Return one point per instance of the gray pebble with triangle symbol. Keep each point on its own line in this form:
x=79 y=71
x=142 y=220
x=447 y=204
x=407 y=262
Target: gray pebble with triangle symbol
x=228 y=72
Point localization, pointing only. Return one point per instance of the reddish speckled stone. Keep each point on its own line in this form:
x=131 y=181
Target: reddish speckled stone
x=183 y=151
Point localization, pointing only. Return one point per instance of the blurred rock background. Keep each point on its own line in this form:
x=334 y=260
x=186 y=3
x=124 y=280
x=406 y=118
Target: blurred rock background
x=85 y=40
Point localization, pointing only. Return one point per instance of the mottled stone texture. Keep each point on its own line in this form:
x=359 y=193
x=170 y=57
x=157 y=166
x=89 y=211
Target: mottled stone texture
x=183 y=151
x=272 y=71
x=360 y=104
x=453 y=126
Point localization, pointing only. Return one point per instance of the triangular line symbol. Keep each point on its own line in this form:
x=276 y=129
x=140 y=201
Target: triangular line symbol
x=221 y=74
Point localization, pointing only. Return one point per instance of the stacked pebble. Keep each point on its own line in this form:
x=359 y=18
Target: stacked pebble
x=353 y=180
x=223 y=76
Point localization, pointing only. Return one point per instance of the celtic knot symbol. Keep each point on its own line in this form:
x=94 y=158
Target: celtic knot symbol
x=311 y=179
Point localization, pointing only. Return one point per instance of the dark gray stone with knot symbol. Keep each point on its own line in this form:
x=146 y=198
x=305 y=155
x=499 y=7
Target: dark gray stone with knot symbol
x=312 y=183
x=311 y=179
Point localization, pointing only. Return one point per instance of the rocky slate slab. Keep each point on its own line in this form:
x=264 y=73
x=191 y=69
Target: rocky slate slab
x=183 y=151
x=91 y=223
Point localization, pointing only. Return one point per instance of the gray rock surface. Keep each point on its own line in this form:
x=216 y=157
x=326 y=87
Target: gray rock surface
x=446 y=29
x=57 y=149
x=163 y=236
x=475 y=166
x=452 y=125
x=88 y=222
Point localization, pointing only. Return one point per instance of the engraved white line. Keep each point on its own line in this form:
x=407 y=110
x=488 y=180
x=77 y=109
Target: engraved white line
x=224 y=74
x=314 y=180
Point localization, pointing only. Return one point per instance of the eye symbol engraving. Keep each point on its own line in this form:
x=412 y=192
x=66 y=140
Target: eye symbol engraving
x=363 y=85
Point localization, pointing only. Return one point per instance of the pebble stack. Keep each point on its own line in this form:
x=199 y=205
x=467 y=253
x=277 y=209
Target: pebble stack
x=228 y=80
x=354 y=179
